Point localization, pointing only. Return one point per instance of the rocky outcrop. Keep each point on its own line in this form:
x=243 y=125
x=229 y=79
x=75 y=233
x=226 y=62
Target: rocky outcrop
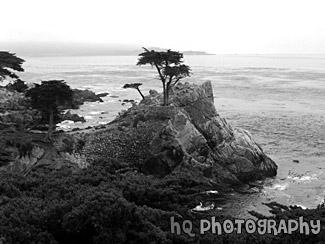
x=73 y=117
x=11 y=100
x=189 y=135
x=14 y=110
x=22 y=151
x=25 y=152
x=82 y=96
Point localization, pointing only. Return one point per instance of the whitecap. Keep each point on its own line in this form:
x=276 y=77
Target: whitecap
x=65 y=122
x=96 y=112
x=200 y=208
x=102 y=123
x=279 y=187
x=301 y=206
x=211 y=192
x=306 y=178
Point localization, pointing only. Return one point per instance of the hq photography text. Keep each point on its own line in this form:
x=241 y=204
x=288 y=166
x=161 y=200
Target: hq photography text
x=261 y=226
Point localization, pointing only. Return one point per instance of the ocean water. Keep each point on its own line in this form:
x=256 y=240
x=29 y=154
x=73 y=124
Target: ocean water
x=280 y=99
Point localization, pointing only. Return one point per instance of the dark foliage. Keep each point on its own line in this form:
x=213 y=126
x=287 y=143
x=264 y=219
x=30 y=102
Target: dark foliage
x=105 y=204
x=18 y=85
x=9 y=62
x=169 y=67
x=47 y=96
x=134 y=86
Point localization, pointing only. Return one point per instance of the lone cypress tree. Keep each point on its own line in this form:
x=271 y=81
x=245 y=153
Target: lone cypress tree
x=47 y=97
x=9 y=62
x=169 y=67
x=134 y=86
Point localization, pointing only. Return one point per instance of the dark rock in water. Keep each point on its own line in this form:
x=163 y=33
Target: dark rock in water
x=187 y=136
x=296 y=161
x=128 y=101
x=104 y=94
x=82 y=96
x=73 y=117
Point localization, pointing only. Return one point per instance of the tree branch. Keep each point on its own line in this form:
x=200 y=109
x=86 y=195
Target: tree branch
x=160 y=74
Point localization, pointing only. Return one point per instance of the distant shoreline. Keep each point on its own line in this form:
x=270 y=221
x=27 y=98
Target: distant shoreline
x=78 y=50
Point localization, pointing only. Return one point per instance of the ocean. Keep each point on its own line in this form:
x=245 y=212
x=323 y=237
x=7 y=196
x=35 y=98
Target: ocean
x=280 y=99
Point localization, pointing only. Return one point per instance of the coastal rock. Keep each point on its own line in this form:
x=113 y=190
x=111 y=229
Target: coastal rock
x=82 y=96
x=22 y=153
x=73 y=117
x=104 y=94
x=189 y=135
x=11 y=100
x=14 y=111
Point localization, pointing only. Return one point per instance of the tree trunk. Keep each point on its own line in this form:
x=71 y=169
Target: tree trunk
x=167 y=94
x=164 y=93
x=140 y=93
x=50 y=131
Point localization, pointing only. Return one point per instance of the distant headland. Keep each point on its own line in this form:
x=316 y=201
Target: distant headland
x=59 y=49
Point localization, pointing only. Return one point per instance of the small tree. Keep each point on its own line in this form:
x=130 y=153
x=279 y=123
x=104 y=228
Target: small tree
x=47 y=97
x=169 y=66
x=9 y=62
x=134 y=86
x=18 y=85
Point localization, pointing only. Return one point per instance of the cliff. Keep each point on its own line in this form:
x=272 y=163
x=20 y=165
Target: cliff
x=187 y=136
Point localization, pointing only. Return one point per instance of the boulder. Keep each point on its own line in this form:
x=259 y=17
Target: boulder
x=104 y=94
x=188 y=135
x=73 y=117
x=82 y=96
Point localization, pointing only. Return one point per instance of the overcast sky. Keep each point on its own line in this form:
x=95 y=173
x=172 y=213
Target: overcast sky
x=217 y=26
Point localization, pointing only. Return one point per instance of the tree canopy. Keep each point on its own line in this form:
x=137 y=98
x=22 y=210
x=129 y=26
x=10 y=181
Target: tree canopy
x=134 y=86
x=9 y=62
x=169 y=65
x=47 y=97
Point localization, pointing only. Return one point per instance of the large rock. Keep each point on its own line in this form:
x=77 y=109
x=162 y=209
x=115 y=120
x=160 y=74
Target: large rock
x=188 y=135
x=82 y=96
x=73 y=117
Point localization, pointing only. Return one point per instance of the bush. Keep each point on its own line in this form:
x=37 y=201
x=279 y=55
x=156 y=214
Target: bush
x=107 y=203
x=18 y=85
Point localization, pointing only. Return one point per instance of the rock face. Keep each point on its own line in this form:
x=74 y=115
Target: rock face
x=188 y=135
x=73 y=117
x=13 y=112
x=82 y=96
x=22 y=153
